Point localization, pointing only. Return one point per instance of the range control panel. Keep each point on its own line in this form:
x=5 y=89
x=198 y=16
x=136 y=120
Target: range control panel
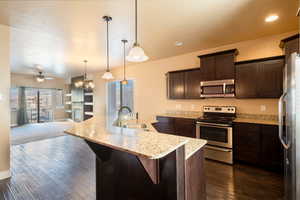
x=219 y=109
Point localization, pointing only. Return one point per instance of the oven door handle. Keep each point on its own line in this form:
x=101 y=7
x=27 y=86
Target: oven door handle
x=213 y=125
x=217 y=149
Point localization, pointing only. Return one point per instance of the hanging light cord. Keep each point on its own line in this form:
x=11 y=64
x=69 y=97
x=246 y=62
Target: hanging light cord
x=136 y=22
x=85 y=69
x=107 y=45
x=124 y=61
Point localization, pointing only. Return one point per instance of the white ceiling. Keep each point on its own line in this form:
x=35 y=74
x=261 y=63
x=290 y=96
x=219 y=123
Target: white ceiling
x=59 y=35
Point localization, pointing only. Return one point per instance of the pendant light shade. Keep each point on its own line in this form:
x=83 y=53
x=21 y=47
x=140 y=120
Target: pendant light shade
x=107 y=75
x=137 y=53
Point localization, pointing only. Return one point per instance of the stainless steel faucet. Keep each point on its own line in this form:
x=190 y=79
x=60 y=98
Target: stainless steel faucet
x=119 y=120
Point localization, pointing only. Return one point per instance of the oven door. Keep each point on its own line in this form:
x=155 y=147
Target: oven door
x=215 y=134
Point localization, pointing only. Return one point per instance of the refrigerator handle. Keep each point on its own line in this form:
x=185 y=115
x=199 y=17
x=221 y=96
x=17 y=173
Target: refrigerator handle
x=280 y=120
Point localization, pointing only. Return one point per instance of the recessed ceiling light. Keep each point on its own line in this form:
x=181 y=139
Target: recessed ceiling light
x=178 y=44
x=271 y=18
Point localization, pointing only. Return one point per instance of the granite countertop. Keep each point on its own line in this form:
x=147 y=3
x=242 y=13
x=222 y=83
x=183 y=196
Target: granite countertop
x=243 y=118
x=256 y=121
x=149 y=144
x=181 y=115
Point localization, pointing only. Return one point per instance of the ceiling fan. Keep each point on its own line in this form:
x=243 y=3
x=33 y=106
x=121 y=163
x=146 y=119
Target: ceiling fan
x=40 y=77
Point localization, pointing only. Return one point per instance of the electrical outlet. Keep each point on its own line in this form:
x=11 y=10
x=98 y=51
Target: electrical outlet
x=263 y=108
x=193 y=107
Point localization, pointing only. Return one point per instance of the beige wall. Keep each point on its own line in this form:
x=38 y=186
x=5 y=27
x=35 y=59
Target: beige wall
x=4 y=103
x=150 y=89
x=29 y=81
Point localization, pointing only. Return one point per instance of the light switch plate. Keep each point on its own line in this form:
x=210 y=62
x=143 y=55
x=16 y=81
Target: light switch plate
x=263 y=108
x=193 y=107
x=1 y=97
x=178 y=106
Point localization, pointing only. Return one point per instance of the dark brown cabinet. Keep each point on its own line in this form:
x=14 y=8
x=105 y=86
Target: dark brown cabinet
x=225 y=66
x=270 y=79
x=245 y=83
x=247 y=143
x=177 y=126
x=258 y=145
x=165 y=125
x=185 y=127
x=271 y=148
x=192 y=84
x=290 y=45
x=262 y=78
x=208 y=68
x=218 y=66
x=184 y=84
x=176 y=85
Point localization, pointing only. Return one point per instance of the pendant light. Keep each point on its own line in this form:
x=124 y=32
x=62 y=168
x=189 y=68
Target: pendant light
x=87 y=84
x=137 y=53
x=107 y=75
x=124 y=81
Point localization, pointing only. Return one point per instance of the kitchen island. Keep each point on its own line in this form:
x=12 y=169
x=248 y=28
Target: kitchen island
x=133 y=164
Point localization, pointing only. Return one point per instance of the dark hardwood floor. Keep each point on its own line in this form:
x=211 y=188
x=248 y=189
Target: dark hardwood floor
x=63 y=168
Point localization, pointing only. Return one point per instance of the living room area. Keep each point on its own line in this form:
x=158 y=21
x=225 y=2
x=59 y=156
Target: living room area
x=37 y=108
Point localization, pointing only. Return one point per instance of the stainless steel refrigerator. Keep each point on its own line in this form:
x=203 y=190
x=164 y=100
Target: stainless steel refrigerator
x=289 y=127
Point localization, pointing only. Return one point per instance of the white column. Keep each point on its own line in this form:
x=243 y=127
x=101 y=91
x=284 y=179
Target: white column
x=4 y=102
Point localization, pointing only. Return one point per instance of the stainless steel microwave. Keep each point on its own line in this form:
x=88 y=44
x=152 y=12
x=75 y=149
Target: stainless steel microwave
x=220 y=88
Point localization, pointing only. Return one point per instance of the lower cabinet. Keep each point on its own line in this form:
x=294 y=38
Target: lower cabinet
x=247 y=143
x=177 y=126
x=258 y=145
x=165 y=125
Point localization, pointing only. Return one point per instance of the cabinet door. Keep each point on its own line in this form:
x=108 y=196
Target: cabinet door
x=246 y=80
x=271 y=148
x=192 y=84
x=225 y=66
x=185 y=127
x=165 y=125
x=247 y=142
x=208 y=68
x=176 y=85
x=270 y=78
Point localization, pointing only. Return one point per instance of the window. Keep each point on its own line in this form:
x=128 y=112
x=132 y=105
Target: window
x=119 y=95
x=34 y=105
x=14 y=105
x=59 y=98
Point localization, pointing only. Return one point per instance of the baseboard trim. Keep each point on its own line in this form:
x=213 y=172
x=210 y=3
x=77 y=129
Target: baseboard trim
x=5 y=174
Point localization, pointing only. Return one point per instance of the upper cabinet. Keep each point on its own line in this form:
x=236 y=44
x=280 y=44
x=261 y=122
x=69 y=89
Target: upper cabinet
x=176 y=84
x=192 y=84
x=262 y=78
x=184 y=84
x=290 y=45
x=218 y=66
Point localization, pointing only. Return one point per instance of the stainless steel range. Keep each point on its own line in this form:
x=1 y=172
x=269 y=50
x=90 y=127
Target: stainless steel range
x=216 y=127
